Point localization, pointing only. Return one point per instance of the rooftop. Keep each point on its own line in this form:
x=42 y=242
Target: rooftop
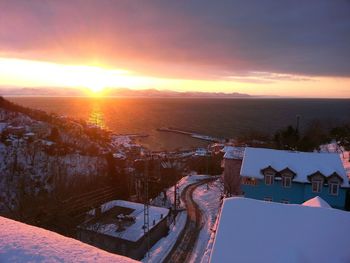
x=132 y=227
x=302 y=163
x=233 y=152
x=257 y=231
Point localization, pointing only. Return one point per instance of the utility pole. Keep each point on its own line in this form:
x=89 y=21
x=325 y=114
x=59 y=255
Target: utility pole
x=176 y=193
x=297 y=125
x=146 y=206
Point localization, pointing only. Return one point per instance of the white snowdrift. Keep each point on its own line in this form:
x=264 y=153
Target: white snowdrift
x=24 y=243
x=317 y=202
x=257 y=231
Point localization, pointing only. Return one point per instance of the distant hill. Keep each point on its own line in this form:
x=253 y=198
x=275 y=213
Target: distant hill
x=118 y=92
x=124 y=92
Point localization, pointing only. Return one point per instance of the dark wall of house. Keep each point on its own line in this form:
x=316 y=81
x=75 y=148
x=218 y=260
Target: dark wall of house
x=232 y=182
x=135 y=250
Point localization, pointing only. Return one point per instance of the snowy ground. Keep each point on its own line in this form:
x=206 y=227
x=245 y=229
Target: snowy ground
x=161 y=249
x=208 y=197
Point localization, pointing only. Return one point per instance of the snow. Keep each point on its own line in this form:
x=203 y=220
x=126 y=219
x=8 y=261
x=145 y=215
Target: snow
x=317 y=202
x=258 y=231
x=123 y=140
x=135 y=231
x=24 y=243
x=208 y=198
x=334 y=147
x=232 y=152
x=201 y=152
x=302 y=163
x=3 y=125
x=160 y=250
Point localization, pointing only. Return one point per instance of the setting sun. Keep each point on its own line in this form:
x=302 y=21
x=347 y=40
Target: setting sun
x=37 y=73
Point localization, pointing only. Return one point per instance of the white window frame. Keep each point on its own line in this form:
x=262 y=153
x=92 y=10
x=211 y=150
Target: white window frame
x=319 y=186
x=284 y=180
x=330 y=185
x=268 y=199
x=271 y=179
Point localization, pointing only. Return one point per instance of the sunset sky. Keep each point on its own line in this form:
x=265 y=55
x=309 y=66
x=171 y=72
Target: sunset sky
x=286 y=48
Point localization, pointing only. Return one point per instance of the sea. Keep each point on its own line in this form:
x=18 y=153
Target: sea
x=222 y=118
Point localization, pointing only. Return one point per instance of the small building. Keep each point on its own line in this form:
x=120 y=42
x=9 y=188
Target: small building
x=291 y=177
x=118 y=227
x=232 y=162
x=256 y=231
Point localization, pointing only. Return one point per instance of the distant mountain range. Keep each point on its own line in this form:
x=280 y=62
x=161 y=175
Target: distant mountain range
x=118 y=92
x=123 y=92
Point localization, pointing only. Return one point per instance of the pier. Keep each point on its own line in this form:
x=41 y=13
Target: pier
x=192 y=134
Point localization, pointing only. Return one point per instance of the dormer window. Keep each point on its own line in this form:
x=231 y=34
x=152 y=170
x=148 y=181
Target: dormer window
x=316 y=186
x=287 y=176
x=334 y=181
x=287 y=181
x=333 y=188
x=269 y=175
x=269 y=179
x=317 y=179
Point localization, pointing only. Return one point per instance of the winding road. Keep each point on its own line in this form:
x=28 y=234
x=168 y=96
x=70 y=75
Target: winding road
x=187 y=240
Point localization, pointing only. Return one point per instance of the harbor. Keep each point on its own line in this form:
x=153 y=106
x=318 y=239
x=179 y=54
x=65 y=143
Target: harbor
x=191 y=134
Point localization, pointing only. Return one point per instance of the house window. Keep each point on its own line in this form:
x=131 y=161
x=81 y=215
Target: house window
x=285 y=201
x=316 y=186
x=268 y=199
x=249 y=181
x=268 y=179
x=333 y=188
x=287 y=181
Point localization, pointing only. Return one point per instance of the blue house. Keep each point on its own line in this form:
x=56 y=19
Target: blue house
x=293 y=177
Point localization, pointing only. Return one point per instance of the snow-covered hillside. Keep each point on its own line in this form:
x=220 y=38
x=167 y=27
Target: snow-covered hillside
x=24 y=243
x=41 y=153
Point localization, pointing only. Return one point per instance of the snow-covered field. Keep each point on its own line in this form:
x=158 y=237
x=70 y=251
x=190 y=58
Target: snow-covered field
x=258 y=231
x=161 y=249
x=24 y=243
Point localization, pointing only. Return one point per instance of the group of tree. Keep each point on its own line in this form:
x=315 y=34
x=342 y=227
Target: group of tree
x=315 y=134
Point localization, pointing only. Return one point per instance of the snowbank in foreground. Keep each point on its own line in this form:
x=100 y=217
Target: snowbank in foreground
x=257 y=231
x=24 y=243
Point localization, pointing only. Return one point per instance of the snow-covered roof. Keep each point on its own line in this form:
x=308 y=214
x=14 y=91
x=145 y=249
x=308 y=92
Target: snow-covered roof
x=332 y=147
x=3 y=125
x=24 y=243
x=135 y=231
x=257 y=231
x=232 y=152
x=302 y=163
x=227 y=148
x=201 y=152
x=316 y=202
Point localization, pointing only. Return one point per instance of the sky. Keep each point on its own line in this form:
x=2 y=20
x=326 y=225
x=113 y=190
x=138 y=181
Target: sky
x=285 y=48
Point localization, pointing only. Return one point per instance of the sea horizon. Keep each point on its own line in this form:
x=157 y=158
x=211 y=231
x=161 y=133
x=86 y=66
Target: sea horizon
x=217 y=117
